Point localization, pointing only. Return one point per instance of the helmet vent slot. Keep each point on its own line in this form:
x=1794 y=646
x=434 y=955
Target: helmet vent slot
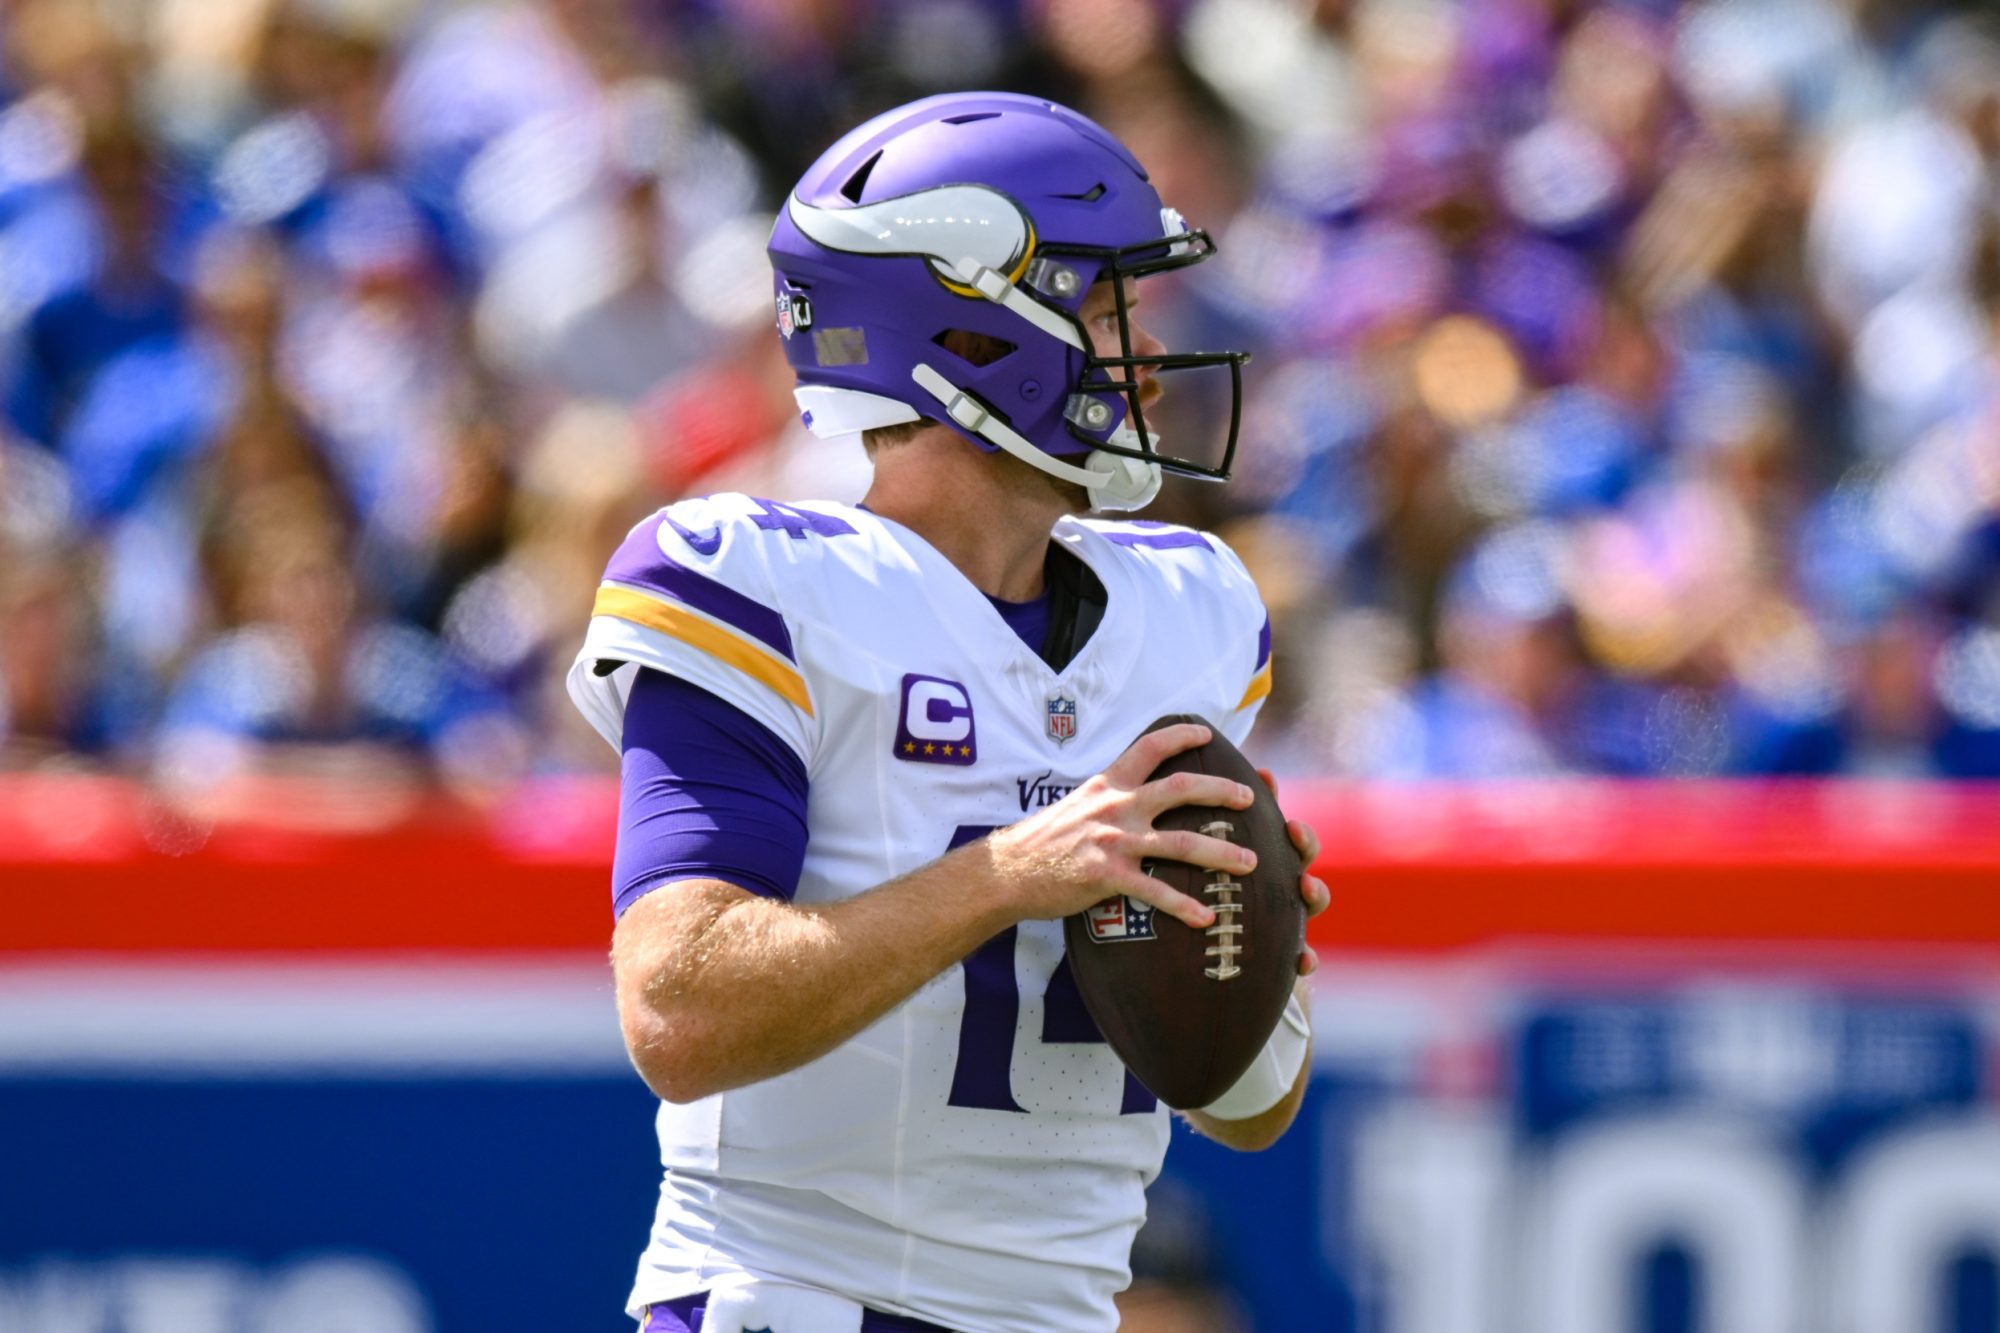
x=969 y=117
x=859 y=180
x=1090 y=196
x=976 y=349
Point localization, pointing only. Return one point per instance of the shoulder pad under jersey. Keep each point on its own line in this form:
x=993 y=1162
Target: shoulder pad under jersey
x=1208 y=582
x=696 y=591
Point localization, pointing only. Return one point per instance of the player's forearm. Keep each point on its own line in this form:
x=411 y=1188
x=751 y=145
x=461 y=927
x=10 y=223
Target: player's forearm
x=718 y=989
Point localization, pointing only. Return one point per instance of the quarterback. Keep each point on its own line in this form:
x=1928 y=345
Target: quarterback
x=873 y=756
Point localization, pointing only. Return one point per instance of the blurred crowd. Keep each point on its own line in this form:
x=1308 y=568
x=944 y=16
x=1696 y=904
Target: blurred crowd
x=1626 y=396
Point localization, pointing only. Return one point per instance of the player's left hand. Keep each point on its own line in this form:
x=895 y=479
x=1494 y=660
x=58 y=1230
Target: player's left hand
x=1311 y=887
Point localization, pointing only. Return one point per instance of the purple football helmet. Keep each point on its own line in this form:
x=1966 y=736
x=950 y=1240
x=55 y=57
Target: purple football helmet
x=991 y=214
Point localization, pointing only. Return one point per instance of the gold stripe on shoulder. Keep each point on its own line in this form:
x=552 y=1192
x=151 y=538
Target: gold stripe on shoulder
x=677 y=622
x=1260 y=685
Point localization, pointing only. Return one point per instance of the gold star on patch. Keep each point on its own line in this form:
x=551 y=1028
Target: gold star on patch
x=964 y=751
x=909 y=747
x=929 y=748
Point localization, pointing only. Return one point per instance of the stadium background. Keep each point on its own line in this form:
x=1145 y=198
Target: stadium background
x=1623 y=455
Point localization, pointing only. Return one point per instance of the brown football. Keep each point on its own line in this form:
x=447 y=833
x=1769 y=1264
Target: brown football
x=1188 y=1010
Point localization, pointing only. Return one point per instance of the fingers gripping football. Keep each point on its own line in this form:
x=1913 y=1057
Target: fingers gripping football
x=1318 y=897
x=1188 y=1007
x=1095 y=842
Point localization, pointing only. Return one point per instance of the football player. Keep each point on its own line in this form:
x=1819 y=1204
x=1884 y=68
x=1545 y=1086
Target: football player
x=874 y=755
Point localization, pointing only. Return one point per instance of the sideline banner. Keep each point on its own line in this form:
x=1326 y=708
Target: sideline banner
x=1589 y=1059
x=1724 y=1140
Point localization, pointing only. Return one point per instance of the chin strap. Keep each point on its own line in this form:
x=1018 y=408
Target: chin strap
x=993 y=285
x=1114 y=481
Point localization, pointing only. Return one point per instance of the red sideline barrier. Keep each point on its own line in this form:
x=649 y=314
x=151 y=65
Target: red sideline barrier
x=96 y=864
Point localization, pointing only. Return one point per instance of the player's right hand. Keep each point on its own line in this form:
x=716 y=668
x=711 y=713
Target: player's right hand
x=1094 y=842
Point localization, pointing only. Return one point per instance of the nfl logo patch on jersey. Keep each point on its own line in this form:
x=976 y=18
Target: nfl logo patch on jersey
x=1119 y=918
x=1062 y=717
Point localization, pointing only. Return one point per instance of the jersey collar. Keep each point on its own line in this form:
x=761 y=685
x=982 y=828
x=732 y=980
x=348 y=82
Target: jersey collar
x=972 y=622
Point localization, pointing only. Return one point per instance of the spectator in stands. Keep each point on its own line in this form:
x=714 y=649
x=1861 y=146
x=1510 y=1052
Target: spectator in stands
x=49 y=714
x=1703 y=294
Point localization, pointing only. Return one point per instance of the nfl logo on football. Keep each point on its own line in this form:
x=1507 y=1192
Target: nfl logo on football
x=1119 y=918
x=1062 y=717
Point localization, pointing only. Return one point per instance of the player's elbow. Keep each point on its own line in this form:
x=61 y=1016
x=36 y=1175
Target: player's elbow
x=673 y=1057
x=676 y=1037
x=673 y=1082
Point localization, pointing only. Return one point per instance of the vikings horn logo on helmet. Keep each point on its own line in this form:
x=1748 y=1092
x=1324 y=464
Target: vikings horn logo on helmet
x=948 y=225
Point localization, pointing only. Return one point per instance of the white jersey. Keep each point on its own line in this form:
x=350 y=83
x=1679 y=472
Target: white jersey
x=978 y=1157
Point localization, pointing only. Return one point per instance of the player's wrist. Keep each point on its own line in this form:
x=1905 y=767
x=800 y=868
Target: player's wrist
x=1272 y=1074
x=996 y=871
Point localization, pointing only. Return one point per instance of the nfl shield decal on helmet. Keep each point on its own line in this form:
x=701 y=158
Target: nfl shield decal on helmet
x=794 y=313
x=1062 y=717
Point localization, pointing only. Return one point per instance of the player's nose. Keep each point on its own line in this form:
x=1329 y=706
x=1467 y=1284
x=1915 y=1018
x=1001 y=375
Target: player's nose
x=1144 y=344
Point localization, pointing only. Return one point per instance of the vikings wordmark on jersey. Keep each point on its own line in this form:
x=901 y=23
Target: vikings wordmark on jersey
x=980 y=1150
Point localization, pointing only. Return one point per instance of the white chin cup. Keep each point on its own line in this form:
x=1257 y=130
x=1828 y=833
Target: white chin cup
x=1128 y=483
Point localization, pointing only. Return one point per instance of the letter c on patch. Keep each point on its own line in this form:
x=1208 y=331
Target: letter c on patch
x=935 y=724
x=937 y=710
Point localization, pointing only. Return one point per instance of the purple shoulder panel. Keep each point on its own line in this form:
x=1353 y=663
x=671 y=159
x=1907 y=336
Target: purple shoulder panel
x=1169 y=540
x=640 y=563
x=1264 y=642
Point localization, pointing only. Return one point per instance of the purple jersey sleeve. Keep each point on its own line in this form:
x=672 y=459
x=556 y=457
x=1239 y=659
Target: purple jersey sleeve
x=705 y=792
